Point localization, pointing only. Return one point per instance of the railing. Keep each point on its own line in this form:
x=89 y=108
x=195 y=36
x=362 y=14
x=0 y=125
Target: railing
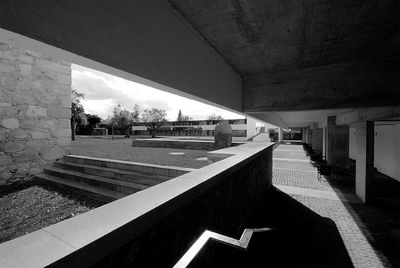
x=196 y=248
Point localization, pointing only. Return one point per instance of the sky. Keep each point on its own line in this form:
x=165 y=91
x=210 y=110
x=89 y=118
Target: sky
x=104 y=91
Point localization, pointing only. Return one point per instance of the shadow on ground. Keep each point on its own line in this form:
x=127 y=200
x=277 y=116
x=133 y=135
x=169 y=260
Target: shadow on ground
x=301 y=238
x=380 y=219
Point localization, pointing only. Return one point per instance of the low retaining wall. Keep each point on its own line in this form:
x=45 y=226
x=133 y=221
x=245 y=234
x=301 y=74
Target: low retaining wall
x=154 y=227
x=178 y=144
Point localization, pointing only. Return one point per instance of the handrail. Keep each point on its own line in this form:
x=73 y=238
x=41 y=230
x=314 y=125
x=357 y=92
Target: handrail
x=242 y=243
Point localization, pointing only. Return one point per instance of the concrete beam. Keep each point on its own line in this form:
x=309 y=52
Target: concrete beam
x=140 y=40
x=271 y=117
x=362 y=115
x=360 y=84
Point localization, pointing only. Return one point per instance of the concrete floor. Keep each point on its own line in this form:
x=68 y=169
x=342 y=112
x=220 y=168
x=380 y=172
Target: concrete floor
x=371 y=235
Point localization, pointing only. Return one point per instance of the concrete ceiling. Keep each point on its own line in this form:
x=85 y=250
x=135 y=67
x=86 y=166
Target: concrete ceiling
x=301 y=61
x=275 y=35
x=287 y=62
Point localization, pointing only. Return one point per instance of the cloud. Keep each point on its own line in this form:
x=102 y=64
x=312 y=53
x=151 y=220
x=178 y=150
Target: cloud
x=104 y=91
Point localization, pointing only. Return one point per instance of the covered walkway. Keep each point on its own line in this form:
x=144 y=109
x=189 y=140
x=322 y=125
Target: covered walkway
x=371 y=235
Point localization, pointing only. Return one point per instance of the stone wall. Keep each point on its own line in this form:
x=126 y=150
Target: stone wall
x=35 y=107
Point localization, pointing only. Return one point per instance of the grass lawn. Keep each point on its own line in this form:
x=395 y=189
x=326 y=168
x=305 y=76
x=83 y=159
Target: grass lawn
x=36 y=207
x=122 y=149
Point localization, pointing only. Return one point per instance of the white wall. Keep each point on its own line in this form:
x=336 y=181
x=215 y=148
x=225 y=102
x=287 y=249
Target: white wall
x=387 y=150
x=251 y=127
x=352 y=143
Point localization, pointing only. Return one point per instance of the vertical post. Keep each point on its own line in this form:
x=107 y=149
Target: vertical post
x=331 y=138
x=324 y=142
x=305 y=135
x=364 y=160
x=280 y=135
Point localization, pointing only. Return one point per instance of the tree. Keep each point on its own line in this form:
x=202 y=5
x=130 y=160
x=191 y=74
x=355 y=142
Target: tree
x=124 y=119
x=182 y=117
x=215 y=117
x=154 y=119
x=92 y=120
x=78 y=116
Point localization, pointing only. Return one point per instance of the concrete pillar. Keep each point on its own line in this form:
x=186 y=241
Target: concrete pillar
x=338 y=144
x=331 y=123
x=250 y=127
x=280 y=135
x=317 y=139
x=324 y=142
x=309 y=135
x=364 y=160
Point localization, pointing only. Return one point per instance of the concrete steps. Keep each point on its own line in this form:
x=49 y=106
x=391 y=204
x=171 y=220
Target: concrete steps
x=118 y=174
x=105 y=179
x=94 y=192
x=98 y=181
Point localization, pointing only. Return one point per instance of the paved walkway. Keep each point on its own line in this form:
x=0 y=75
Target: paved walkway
x=371 y=235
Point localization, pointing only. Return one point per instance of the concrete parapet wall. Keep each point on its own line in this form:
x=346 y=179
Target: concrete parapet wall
x=35 y=109
x=154 y=227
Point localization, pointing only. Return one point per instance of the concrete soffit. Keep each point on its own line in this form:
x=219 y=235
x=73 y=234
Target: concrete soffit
x=270 y=117
x=368 y=114
x=22 y=41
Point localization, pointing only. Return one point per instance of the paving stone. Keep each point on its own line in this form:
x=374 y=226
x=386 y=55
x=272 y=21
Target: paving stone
x=368 y=233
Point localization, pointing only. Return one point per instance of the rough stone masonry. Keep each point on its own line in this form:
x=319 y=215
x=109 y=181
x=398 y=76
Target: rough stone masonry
x=35 y=111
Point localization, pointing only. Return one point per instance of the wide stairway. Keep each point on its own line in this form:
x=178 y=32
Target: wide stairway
x=105 y=179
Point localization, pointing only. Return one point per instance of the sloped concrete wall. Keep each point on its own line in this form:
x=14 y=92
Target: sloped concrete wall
x=35 y=109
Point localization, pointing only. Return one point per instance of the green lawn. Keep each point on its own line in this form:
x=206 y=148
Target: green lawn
x=36 y=207
x=122 y=149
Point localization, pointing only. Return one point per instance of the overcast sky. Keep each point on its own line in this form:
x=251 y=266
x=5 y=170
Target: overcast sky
x=104 y=91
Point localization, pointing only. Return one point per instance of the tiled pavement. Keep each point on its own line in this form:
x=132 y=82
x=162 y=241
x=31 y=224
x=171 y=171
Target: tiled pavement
x=371 y=235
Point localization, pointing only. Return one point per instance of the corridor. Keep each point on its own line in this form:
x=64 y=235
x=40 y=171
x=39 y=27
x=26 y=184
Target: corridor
x=371 y=235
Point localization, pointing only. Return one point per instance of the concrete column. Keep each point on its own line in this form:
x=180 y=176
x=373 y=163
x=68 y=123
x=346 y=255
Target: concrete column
x=338 y=144
x=317 y=139
x=364 y=160
x=330 y=128
x=280 y=135
x=309 y=135
x=324 y=142
x=305 y=135
x=250 y=127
